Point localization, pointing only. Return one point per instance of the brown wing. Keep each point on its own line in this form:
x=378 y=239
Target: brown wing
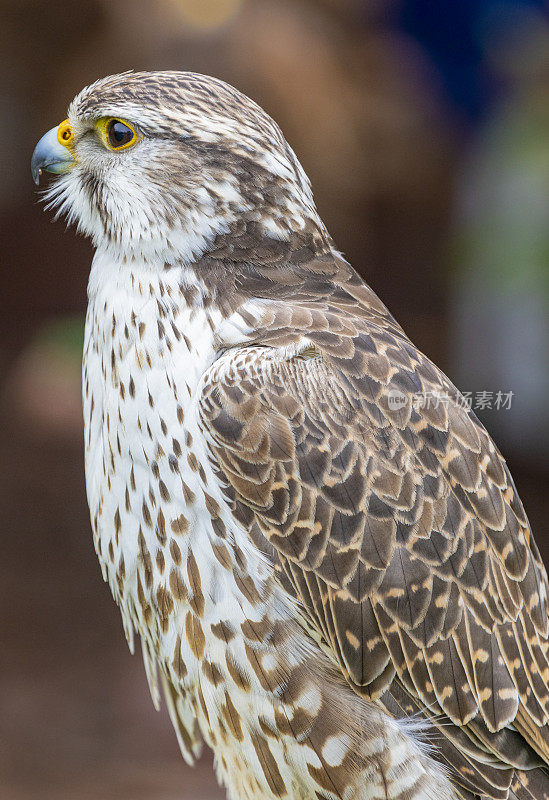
x=398 y=526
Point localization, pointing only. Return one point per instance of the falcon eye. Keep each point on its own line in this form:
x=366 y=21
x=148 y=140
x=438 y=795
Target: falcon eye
x=118 y=135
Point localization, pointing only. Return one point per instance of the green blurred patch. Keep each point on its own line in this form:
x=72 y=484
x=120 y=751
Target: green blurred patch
x=63 y=337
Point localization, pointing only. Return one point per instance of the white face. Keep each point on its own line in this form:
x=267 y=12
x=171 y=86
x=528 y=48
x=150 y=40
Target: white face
x=165 y=162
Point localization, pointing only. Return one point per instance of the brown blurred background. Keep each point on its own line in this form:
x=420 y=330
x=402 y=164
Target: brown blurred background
x=425 y=130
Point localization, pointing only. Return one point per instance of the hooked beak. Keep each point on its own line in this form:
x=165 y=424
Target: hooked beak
x=51 y=155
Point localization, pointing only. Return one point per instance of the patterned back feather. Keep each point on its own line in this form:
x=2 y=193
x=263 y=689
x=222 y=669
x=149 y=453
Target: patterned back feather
x=397 y=526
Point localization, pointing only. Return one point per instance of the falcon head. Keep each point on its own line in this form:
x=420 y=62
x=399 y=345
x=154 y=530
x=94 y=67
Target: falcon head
x=158 y=165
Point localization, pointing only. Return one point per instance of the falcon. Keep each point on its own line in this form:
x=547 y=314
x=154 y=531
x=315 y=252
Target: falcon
x=335 y=585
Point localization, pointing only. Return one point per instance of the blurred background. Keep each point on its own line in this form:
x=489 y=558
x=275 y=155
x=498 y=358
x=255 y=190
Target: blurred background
x=424 y=126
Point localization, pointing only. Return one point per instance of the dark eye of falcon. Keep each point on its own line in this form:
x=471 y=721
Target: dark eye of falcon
x=119 y=134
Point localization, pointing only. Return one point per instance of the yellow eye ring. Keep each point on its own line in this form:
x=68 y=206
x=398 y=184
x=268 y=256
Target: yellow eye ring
x=117 y=134
x=65 y=134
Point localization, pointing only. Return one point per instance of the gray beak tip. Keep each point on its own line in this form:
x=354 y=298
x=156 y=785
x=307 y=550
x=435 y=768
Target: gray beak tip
x=50 y=156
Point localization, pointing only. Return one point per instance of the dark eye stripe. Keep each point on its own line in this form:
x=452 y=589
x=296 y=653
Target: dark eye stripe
x=119 y=134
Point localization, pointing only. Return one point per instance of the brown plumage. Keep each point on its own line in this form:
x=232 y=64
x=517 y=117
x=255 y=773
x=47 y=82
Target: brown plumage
x=295 y=508
x=400 y=530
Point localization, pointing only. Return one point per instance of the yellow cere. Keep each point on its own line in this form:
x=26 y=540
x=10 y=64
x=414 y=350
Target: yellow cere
x=65 y=134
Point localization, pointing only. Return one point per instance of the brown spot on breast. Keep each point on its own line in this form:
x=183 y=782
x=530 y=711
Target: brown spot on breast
x=282 y=723
x=265 y=726
x=240 y=558
x=188 y=494
x=332 y=779
x=146 y=515
x=180 y=525
x=219 y=528
x=195 y=585
x=146 y=609
x=268 y=765
x=159 y=452
x=203 y=703
x=223 y=631
x=248 y=588
x=258 y=631
x=223 y=735
x=212 y=506
x=164 y=602
x=160 y=528
x=212 y=673
x=177 y=586
x=176 y=332
x=164 y=493
x=222 y=555
x=175 y=552
x=178 y=664
x=145 y=557
x=232 y=718
x=195 y=635
x=237 y=673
